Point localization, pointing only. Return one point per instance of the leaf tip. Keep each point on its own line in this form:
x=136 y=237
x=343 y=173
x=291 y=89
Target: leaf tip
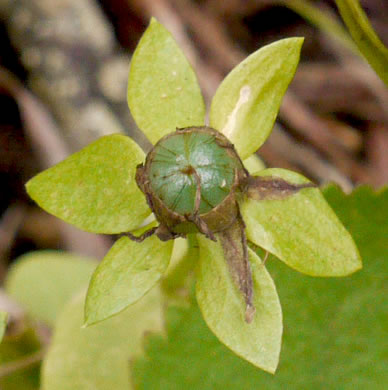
x=29 y=187
x=153 y=21
x=90 y=318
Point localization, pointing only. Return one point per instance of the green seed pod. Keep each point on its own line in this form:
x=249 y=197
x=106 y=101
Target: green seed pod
x=190 y=179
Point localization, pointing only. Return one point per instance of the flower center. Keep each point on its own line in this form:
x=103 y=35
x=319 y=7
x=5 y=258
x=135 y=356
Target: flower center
x=186 y=161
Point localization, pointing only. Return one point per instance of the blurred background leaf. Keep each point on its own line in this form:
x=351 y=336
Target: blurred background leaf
x=97 y=357
x=43 y=281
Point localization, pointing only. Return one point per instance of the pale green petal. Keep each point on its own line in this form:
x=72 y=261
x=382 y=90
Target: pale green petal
x=127 y=272
x=246 y=104
x=301 y=230
x=223 y=307
x=97 y=358
x=163 y=91
x=95 y=189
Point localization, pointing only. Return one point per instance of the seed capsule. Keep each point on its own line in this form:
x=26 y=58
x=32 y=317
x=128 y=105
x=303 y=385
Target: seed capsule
x=190 y=179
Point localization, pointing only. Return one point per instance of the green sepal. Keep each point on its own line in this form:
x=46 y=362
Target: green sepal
x=126 y=273
x=95 y=189
x=163 y=91
x=246 y=103
x=301 y=230
x=223 y=307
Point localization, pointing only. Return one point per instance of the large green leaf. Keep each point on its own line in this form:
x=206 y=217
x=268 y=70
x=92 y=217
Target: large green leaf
x=301 y=230
x=127 y=272
x=97 y=357
x=334 y=328
x=246 y=103
x=163 y=92
x=223 y=307
x=3 y=323
x=95 y=189
x=364 y=36
x=191 y=357
x=43 y=281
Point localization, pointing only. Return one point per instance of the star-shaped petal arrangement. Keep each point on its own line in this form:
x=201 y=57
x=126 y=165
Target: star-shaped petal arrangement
x=196 y=182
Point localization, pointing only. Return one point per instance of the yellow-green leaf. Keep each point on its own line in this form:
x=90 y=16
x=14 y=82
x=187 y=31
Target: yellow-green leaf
x=223 y=307
x=163 y=92
x=127 y=272
x=97 y=357
x=43 y=281
x=301 y=230
x=95 y=189
x=246 y=103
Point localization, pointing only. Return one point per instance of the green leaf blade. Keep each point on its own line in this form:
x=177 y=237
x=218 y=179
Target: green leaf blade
x=301 y=230
x=163 y=92
x=95 y=189
x=127 y=272
x=223 y=308
x=43 y=281
x=246 y=103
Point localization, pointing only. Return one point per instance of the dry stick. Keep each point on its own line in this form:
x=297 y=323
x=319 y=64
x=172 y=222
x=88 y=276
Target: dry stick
x=306 y=123
x=9 y=225
x=360 y=72
x=235 y=8
x=377 y=150
x=210 y=32
x=330 y=88
x=142 y=237
x=323 y=171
